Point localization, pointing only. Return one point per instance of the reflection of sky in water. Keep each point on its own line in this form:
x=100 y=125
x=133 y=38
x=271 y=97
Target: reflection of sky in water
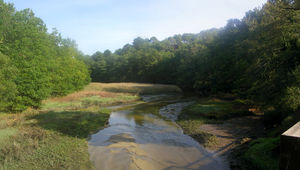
x=144 y=128
x=147 y=129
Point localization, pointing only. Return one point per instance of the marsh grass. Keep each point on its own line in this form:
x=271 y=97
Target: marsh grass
x=134 y=88
x=104 y=94
x=77 y=124
x=55 y=136
x=49 y=140
x=36 y=148
x=101 y=101
x=5 y=134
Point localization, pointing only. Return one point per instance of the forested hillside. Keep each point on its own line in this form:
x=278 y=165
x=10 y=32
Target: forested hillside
x=256 y=59
x=35 y=64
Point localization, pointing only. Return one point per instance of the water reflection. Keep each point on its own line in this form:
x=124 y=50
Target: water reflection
x=144 y=140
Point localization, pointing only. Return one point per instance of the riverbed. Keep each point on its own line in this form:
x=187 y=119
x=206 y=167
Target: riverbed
x=145 y=136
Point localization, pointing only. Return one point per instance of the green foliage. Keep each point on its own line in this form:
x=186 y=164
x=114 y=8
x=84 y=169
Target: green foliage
x=292 y=97
x=263 y=153
x=256 y=58
x=47 y=65
x=8 y=88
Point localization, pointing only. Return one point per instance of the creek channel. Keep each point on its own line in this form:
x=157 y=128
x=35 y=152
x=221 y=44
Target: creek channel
x=145 y=136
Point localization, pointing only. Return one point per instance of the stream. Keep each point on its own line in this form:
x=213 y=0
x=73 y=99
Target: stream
x=145 y=137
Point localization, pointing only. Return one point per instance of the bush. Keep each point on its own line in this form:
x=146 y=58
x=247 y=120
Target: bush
x=263 y=153
x=7 y=86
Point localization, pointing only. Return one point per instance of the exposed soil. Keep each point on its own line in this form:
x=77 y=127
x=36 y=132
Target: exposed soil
x=233 y=133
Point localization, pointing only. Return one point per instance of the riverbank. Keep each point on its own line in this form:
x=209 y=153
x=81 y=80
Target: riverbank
x=55 y=136
x=221 y=126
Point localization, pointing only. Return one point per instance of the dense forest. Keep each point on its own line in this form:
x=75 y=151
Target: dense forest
x=35 y=64
x=255 y=58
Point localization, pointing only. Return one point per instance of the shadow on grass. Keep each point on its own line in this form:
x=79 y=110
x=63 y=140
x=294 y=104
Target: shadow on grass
x=72 y=123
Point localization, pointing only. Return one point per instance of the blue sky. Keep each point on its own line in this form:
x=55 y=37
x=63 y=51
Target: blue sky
x=97 y=25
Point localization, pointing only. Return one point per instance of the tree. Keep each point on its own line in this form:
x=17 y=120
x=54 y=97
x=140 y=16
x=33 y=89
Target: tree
x=8 y=88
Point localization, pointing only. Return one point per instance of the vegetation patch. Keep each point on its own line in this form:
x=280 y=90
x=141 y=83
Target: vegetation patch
x=5 y=134
x=76 y=124
x=191 y=128
x=213 y=111
x=60 y=105
x=263 y=153
x=208 y=111
x=102 y=101
x=36 y=148
x=49 y=140
x=134 y=88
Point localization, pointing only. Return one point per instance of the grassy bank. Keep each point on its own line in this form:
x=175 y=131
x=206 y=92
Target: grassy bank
x=263 y=153
x=208 y=111
x=55 y=136
x=227 y=127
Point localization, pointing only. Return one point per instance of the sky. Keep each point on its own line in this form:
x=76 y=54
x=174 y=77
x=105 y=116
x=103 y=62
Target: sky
x=97 y=25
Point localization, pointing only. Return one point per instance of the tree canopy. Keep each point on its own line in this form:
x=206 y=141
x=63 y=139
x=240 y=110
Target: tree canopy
x=35 y=64
x=256 y=58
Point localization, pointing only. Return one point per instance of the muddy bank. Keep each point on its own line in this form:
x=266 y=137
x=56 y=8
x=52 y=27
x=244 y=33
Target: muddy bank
x=148 y=139
x=220 y=136
x=233 y=132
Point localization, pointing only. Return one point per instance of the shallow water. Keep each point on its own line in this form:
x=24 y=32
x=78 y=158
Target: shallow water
x=149 y=139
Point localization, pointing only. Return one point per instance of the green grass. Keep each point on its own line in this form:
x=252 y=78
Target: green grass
x=191 y=127
x=46 y=150
x=60 y=105
x=5 y=134
x=104 y=101
x=85 y=102
x=75 y=123
x=263 y=153
x=208 y=111
x=211 y=111
x=50 y=140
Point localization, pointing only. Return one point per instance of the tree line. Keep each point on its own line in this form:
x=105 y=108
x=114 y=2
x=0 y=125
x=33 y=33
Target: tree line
x=256 y=58
x=35 y=64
